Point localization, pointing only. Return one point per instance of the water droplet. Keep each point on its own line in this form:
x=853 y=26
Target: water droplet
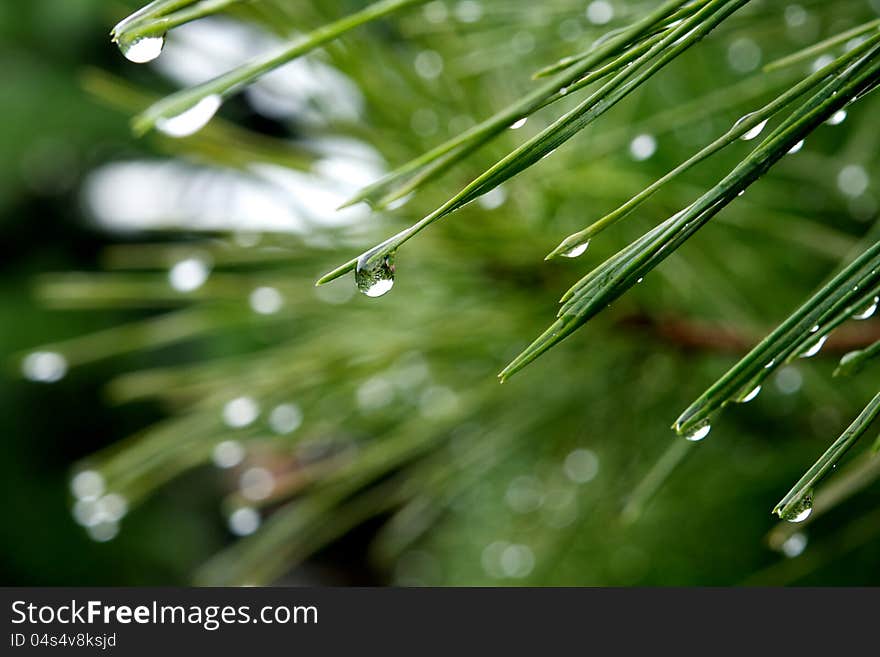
x=87 y=485
x=788 y=380
x=112 y=507
x=493 y=199
x=853 y=180
x=750 y=395
x=642 y=147
x=794 y=545
x=517 y=561
x=374 y=393
x=576 y=250
x=837 y=118
x=374 y=274
x=698 y=432
x=868 y=310
x=797 y=147
x=468 y=11
x=244 y=521
x=228 y=454
x=581 y=466
x=240 y=412
x=190 y=120
x=600 y=12
x=188 y=275
x=256 y=483
x=44 y=366
x=285 y=418
x=266 y=300
x=815 y=347
x=744 y=55
x=428 y=64
x=800 y=511
x=524 y=494
x=752 y=132
x=518 y=124
x=103 y=531
x=142 y=50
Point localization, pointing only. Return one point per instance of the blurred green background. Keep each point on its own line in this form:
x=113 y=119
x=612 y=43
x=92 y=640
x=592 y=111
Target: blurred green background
x=517 y=484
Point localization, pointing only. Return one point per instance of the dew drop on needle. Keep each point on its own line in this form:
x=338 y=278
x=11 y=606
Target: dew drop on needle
x=192 y=119
x=143 y=49
x=375 y=275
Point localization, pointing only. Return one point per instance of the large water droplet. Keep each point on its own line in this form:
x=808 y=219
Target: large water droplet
x=801 y=511
x=814 y=347
x=142 y=50
x=44 y=366
x=749 y=395
x=698 y=432
x=798 y=146
x=191 y=120
x=837 y=118
x=868 y=310
x=576 y=250
x=375 y=274
x=752 y=132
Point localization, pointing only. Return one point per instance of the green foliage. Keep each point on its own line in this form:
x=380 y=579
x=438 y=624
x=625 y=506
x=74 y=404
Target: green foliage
x=574 y=481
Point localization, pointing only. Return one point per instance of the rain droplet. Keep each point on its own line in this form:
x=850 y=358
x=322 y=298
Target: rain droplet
x=103 y=531
x=228 y=454
x=44 y=366
x=519 y=124
x=802 y=510
x=142 y=50
x=256 y=483
x=266 y=300
x=581 y=466
x=789 y=380
x=643 y=147
x=698 y=432
x=87 y=485
x=240 y=412
x=374 y=275
x=493 y=199
x=190 y=120
x=750 y=395
x=188 y=275
x=797 y=147
x=752 y=132
x=815 y=347
x=285 y=418
x=837 y=118
x=244 y=521
x=868 y=310
x=576 y=250
x=794 y=545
